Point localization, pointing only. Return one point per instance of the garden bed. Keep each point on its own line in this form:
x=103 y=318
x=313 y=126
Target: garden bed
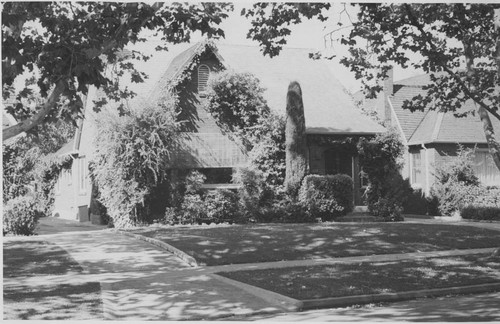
x=219 y=245
x=341 y=280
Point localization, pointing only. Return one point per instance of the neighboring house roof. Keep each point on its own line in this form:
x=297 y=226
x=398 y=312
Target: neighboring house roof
x=430 y=126
x=328 y=108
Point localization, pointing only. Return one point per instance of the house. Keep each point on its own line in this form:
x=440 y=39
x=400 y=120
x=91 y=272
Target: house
x=431 y=137
x=330 y=116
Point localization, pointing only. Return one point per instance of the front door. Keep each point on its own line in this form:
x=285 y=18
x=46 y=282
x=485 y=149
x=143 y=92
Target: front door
x=343 y=162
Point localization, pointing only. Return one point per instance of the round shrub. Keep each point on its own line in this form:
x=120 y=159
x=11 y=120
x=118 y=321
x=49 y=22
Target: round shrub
x=193 y=210
x=221 y=206
x=326 y=196
x=20 y=216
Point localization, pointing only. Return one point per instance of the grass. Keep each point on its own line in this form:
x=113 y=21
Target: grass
x=62 y=301
x=219 y=245
x=33 y=258
x=341 y=280
x=57 y=302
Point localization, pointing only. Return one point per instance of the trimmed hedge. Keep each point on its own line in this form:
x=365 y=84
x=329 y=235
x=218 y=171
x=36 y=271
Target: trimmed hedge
x=20 y=216
x=327 y=196
x=481 y=213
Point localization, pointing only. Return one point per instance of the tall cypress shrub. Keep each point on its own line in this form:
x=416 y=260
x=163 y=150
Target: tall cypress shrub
x=296 y=142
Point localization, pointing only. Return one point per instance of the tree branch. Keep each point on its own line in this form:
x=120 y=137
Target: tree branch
x=28 y=124
x=462 y=84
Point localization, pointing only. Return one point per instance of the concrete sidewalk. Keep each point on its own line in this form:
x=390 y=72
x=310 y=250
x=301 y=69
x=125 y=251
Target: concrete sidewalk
x=136 y=284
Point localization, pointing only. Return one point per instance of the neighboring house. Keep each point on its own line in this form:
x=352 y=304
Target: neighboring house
x=330 y=114
x=432 y=137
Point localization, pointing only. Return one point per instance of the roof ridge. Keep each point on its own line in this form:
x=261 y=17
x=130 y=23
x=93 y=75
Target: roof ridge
x=256 y=46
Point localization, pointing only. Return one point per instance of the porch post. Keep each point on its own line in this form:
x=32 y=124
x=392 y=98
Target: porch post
x=356 y=181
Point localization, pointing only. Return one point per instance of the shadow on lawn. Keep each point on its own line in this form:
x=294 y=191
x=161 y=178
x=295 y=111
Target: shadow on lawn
x=58 y=302
x=274 y=242
x=36 y=257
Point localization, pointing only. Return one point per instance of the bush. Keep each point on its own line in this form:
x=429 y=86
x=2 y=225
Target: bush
x=222 y=206
x=388 y=197
x=194 y=181
x=481 y=213
x=20 y=217
x=418 y=204
x=456 y=184
x=326 y=196
x=133 y=156
x=192 y=209
x=252 y=191
x=381 y=161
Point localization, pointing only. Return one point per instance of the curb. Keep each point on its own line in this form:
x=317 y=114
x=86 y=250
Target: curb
x=285 y=302
x=395 y=297
x=180 y=254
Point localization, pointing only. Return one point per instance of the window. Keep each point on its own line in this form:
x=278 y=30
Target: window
x=82 y=175
x=485 y=168
x=203 y=74
x=417 y=176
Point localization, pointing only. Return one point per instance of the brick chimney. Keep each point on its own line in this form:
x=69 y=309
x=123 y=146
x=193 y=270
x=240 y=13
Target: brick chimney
x=388 y=92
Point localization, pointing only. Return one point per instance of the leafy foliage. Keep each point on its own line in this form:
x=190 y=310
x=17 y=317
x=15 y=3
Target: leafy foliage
x=236 y=102
x=20 y=216
x=132 y=157
x=481 y=213
x=30 y=166
x=381 y=161
x=295 y=140
x=222 y=205
x=268 y=21
x=457 y=185
x=68 y=46
x=326 y=196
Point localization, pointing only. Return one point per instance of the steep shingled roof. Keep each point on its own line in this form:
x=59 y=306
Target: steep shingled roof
x=433 y=126
x=328 y=108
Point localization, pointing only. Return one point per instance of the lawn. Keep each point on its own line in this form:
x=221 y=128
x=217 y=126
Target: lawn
x=233 y=244
x=33 y=258
x=61 y=301
x=372 y=278
x=53 y=302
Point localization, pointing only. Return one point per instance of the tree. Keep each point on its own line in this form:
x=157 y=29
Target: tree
x=66 y=47
x=296 y=141
x=459 y=45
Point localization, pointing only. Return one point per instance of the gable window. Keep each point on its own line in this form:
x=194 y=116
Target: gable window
x=203 y=74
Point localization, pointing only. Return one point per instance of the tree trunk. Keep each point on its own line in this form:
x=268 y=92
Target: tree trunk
x=296 y=141
x=38 y=118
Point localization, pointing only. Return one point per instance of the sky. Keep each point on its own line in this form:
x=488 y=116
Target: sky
x=309 y=34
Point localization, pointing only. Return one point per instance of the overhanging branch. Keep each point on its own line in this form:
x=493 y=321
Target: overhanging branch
x=463 y=86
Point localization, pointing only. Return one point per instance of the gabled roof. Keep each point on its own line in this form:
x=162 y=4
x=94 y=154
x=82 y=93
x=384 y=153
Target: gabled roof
x=433 y=126
x=328 y=108
x=429 y=126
